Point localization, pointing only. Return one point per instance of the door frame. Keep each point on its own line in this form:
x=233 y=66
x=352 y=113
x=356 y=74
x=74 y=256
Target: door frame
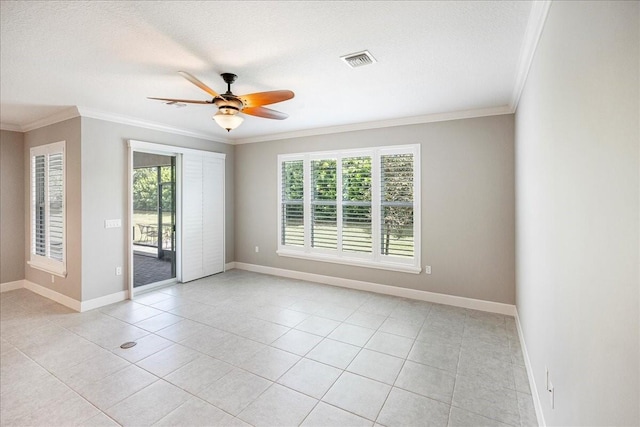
x=164 y=150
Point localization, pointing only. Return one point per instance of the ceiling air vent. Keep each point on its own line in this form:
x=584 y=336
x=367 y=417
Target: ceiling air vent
x=358 y=59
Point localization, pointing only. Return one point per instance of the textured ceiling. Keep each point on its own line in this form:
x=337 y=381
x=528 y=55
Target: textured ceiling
x=433 y=57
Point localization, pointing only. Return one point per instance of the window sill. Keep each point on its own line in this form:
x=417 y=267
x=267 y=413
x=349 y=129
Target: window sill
x=56 y=270
x=403 y=268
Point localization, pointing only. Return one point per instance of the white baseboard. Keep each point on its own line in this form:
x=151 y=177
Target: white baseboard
x=532 y=381
x=63 y=299
x=475 y=304
x=11 y=286
x=102 y=301
x=53 y=295
x=229 y=266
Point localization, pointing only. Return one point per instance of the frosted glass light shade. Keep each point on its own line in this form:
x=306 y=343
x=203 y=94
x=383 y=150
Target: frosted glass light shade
x=227 y=121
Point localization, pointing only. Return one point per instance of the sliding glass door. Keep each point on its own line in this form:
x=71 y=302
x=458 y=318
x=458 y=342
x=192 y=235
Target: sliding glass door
x=154 y=218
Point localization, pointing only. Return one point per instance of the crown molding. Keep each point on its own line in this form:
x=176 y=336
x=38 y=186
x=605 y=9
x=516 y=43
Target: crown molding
x=78 y=111
x=10 y=127
x=428 y=118
x=117 y=118
x=126 y=120
x=60 y=116
x=535 y=25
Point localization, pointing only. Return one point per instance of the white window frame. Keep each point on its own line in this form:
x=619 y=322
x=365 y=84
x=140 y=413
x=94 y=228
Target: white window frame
x=375 y=259
x=40 y=262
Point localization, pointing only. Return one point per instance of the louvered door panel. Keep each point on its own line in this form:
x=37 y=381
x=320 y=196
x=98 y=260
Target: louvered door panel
x=213 y=215
x=192 y=218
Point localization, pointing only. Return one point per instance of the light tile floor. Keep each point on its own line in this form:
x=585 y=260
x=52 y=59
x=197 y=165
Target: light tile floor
x=241 y=348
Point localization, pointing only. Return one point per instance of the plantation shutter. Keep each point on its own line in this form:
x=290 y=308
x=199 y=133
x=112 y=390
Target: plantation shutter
x=356 y=204
x=356 y=207
x=396 y=205
x=324 y=225
x=39 y=219
x=292 y=215
x=47 y=251
x=56 y=206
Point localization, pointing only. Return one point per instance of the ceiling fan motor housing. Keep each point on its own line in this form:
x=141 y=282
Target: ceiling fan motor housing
x=229 y=104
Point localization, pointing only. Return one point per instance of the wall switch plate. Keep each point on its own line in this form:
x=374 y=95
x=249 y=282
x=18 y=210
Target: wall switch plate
x=112 y=223
x=427 y=269
x=118 y=271
x=53 y=279
x=257 y=249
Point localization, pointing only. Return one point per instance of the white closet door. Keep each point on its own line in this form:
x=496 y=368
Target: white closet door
x=213 y=215
x=192 y=241
x=203 y=215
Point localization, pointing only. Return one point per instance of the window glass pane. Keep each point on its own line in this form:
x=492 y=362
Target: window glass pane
x=56 y=200
x=291 y=204
x=324 y=225
x=39 y=225
x=356 y=204
x=396 y=192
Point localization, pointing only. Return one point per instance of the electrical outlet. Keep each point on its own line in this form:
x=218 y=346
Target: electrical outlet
x=53 y=279
x=427 y=269
x=546 y=378
x=118 y=271
x=257 y=249
x=549 y=386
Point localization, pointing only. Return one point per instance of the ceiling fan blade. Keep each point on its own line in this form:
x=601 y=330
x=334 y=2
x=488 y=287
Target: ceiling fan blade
x=198 y=83
x=267 y=113
x=186 y=101
x=265 y=98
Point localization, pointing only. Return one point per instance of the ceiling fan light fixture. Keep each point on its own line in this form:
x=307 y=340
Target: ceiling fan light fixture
x=228 y=119
x=229 y=105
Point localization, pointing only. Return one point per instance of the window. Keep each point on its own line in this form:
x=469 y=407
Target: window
x=292 y=215
x=356 y=207
x=47 y=171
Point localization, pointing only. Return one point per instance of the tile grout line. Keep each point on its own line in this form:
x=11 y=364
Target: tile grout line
x=401 y=368
x=303 y=296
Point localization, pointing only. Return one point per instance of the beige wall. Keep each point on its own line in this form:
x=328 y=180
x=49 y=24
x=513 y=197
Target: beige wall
x=68 y=131
x=467 y=205
x=104 y=196
x=578 y=216
x=96 y=171
x=11 y=206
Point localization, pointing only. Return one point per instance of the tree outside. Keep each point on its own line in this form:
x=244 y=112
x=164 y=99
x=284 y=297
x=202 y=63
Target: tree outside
x=145 y=201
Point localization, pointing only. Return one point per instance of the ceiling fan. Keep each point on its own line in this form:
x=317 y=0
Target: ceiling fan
x=229 y=105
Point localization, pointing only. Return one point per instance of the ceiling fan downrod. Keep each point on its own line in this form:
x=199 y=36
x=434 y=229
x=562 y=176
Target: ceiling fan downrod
x=229 y=79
